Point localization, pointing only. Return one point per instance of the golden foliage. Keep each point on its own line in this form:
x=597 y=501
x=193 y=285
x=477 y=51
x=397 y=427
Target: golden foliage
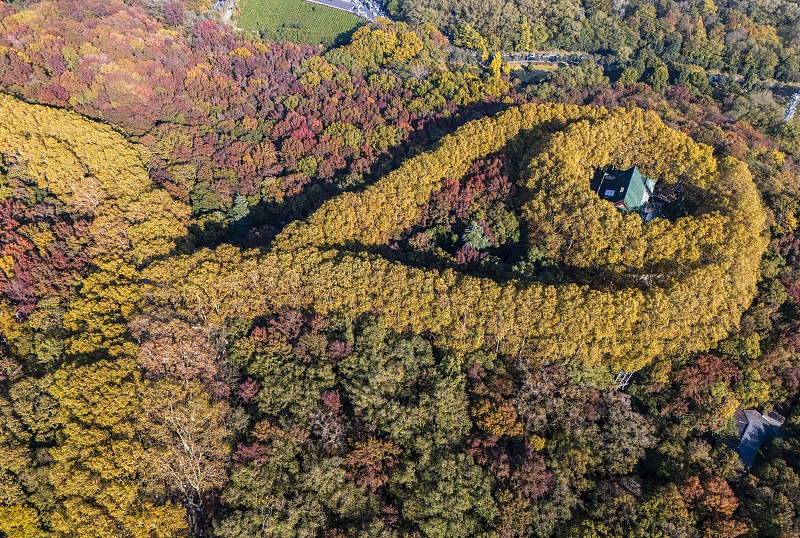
x=714 y=255
x=717 y=251
x=91 y=170
x=498 y=419
x=17 y=521
x=87 y=170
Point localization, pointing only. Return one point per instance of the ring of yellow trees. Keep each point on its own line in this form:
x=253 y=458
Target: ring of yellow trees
x=581 y=229
x=708 y=263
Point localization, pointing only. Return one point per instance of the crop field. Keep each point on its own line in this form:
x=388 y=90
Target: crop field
x=298 y=21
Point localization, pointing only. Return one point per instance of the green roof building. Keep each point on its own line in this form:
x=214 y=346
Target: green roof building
x=628 y=190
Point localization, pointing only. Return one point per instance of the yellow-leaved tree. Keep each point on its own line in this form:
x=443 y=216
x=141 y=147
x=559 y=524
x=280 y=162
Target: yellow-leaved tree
x=97 y=474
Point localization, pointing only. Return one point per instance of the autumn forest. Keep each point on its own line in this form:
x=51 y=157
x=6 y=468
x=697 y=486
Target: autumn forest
x=369 y=287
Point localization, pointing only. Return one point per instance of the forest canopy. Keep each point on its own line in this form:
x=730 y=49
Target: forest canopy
x=752 y=39
x=260 y=288
x=717 y=250
x=315 y=265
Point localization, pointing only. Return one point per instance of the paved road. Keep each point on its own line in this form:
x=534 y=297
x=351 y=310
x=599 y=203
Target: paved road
x=227 y=6
x=344 y=5
x=524 y=58
x=365 y=9
x=226 y=18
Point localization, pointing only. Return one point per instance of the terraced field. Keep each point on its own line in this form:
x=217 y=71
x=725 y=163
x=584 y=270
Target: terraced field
x=295 y=20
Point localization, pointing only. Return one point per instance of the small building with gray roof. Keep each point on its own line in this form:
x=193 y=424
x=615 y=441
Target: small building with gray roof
x=754 y=428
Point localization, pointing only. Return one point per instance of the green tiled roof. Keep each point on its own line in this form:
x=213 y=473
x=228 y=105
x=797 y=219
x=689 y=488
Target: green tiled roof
x=627 y=189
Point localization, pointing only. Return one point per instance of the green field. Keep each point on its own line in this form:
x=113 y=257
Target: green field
x=295 y=20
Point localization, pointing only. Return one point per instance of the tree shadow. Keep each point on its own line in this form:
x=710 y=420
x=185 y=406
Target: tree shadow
x=266 y=219
x=514 y=262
